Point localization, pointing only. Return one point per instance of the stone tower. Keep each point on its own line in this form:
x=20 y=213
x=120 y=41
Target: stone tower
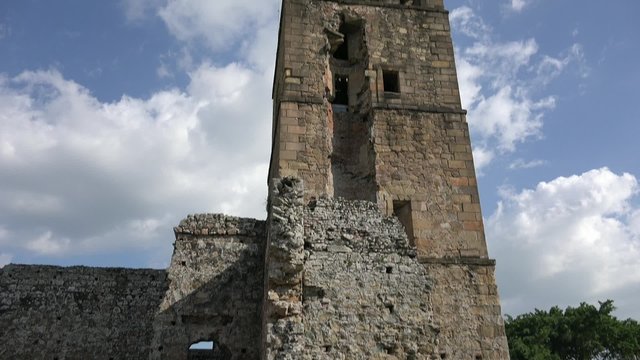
x=367 y=107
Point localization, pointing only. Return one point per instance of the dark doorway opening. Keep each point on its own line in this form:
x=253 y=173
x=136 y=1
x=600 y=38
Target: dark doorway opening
x=341 y=84
x=391 y=81
x=208 y=350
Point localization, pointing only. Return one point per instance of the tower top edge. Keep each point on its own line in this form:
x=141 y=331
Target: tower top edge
x=427 y=5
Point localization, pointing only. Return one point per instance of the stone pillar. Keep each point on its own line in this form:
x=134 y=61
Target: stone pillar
x=282 y=315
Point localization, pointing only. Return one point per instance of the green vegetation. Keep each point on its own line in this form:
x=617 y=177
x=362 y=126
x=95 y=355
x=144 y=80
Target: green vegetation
x=583 y=333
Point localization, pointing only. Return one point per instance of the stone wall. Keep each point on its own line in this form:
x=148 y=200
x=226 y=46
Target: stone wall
x=49 y=312
x=215 y=289
x=426 y=160
x=212 y=291
x=362 y=290
x=466 y=309
x=366 y=296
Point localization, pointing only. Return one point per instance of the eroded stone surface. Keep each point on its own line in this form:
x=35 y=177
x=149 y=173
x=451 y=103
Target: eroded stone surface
x=366 y=296
x=78 y=313
x=215 y=289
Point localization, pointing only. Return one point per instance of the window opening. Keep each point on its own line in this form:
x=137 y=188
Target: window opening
x=201 y=350
x=402 y=210
x=342 y=52
x=391 y=80
x=341 y=85
x=202 y=345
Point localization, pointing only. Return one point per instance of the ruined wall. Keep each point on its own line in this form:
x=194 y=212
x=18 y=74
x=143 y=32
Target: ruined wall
x=283 y=325
x=365 y=294
x=212 y=291
x=215 y=289
x=49 y=312
x=466 y=309
x=362 y=292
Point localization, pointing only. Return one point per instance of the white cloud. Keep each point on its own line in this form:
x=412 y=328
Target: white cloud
x=551 y=67
x=45 y=244
x=85 y=176
x=499 y=82
x=519 y=5
x=481 y=157
x=470 y=87
x=522 y=164
x=508 y=117
x=568 y=240
x=82 y=169
x=137 y=10
x=468 y=23
x=223 y=24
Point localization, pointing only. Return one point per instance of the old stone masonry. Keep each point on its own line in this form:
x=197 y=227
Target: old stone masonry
x=373 y=247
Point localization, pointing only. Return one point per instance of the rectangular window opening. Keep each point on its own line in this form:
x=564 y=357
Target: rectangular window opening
x=402 y=210
x=391 y=80
x=341 y=86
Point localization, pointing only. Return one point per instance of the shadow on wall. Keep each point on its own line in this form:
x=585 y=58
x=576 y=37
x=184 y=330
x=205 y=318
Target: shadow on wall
x=215 y=292
x=211 y=292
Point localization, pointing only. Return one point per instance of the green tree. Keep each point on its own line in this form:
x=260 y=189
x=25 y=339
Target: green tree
x=583 y=333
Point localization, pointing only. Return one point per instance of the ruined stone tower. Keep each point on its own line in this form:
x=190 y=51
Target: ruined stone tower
x=366 y=107
x=373 y=247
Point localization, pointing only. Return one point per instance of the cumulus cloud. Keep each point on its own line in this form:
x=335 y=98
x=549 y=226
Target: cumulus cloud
x=499 y=83
x=97 y=176
x=572 y=237
x=82 y=177
x=223 y=24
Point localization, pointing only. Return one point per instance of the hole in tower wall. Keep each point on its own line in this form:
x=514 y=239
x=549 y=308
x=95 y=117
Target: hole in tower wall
x=342 y=52
x=202 y=345
x=352 y=157
x=391 y=80
x=207 y=349
x=341 y=85
x=402 y=210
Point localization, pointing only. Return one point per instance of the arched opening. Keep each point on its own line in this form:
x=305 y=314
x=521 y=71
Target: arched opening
x=208 y=349
x=202 y=345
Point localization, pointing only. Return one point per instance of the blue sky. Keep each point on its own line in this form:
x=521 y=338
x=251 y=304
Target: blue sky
x=118 y=118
